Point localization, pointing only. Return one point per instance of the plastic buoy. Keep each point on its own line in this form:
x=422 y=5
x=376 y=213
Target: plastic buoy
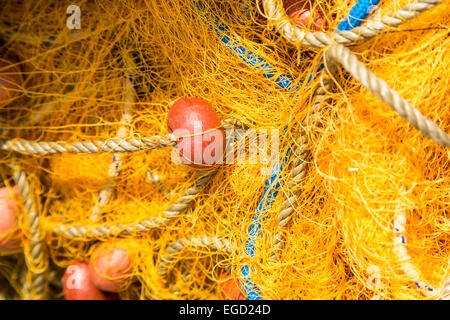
x=303 y=15
x=78 y=285
x=202 y=140
x=9 y=239
x=109 y=267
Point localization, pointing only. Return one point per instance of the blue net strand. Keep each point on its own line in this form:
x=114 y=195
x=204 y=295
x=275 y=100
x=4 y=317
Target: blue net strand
x=358 y=14
x=249 y=57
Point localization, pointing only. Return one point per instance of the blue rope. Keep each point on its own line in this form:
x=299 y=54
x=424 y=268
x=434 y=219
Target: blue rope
x=358 y=14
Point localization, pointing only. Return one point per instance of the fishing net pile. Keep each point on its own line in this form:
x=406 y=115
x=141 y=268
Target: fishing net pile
x=362 y=208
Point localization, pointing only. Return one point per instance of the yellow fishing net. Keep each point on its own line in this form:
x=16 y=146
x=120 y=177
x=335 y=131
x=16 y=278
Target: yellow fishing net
x=366 y=164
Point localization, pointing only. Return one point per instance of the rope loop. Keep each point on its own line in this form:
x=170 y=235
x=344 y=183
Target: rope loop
x=349 y=33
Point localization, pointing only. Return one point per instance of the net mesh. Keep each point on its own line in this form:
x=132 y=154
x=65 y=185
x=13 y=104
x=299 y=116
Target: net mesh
x=365 y=162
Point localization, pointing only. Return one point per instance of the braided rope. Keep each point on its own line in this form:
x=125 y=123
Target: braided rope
x=300 y=165
x=179 y=206
x=111 y=145
x=25 y=284
x=102 y=230
x=37 y=258
x=114 y=145
x=380 y=88
x=374 y=282
x=152 y=177
x=213 y=243
x=445 y=293
x=401 y=251
x=276 y=12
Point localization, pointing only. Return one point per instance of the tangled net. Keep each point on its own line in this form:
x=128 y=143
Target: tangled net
x=362 y=211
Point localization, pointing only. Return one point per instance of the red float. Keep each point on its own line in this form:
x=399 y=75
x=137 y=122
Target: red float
x=303 y=15
x=78 y=284
x=230 y=290
x=202 y=140
x=109 y=268
x=9 y=239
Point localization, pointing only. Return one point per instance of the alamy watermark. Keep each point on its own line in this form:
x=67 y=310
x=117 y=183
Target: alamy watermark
x=73 y=282
x=231 y=146
x=74 y=20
